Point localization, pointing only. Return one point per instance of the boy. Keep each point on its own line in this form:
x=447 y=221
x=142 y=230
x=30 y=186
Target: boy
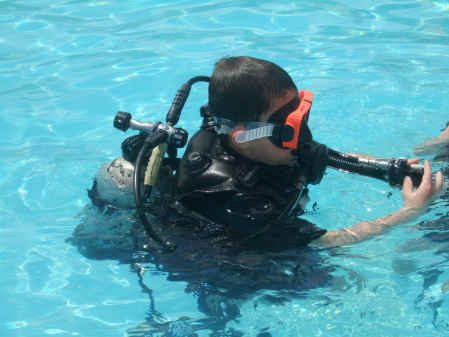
x=247 y=184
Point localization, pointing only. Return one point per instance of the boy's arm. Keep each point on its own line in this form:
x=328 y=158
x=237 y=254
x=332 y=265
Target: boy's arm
x=416 y=204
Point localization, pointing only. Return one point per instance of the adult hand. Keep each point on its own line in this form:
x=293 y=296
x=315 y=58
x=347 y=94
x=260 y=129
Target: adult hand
x=419 y=200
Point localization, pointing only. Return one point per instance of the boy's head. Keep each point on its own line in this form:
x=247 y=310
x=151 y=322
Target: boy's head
x=242 y=88
x=246 y=89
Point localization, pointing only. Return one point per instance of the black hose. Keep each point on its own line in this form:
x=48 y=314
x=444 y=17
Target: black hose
x=196 y=79
x=351 y=167
x=154 y=140
x=150 y=143
x=390 y=171
x=180 y=99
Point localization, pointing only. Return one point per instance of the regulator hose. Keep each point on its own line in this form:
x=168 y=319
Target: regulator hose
x=347 y=164
x=180 y=99
x=389 y=170
x=150 y=143
x=158 y=134
x=314 y=158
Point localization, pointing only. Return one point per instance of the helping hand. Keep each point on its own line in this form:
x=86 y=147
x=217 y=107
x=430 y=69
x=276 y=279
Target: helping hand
x=419 y=200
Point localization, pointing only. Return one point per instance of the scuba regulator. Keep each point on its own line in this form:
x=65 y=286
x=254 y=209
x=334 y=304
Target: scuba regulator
x=159 y=138
x=312 y=157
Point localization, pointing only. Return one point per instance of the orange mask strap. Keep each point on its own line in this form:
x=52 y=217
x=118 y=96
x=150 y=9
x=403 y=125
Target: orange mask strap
x=296 y=118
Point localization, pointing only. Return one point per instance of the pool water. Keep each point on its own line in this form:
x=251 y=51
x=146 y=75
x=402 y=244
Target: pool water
x=379 y=71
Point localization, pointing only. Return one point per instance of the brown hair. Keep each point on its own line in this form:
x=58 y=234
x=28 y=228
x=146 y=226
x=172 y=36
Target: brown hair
x=241 y=87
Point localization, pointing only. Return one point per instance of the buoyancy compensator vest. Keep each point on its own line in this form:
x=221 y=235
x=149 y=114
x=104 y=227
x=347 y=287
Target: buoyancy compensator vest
x=217 y=182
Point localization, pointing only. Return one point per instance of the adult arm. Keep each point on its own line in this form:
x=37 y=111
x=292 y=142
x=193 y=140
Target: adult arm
x=445 y=134
x=416 y=203
x=436 y=146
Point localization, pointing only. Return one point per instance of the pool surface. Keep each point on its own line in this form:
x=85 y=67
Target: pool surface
x=379 y=72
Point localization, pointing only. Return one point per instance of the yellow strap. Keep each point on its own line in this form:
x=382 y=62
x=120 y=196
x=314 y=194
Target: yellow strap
x=154 y=164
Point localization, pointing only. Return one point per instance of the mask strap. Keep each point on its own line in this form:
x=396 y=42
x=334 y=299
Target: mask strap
x=248 y=135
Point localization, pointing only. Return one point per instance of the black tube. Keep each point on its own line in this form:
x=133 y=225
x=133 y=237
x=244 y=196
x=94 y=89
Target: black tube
x=151 y=142
x=154 y=140
x=351 y=167
x=196 y=79
x=392 y=172
x=180 y=99
x=344 y=156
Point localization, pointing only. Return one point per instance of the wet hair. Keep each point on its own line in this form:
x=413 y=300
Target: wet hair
x=241 y=87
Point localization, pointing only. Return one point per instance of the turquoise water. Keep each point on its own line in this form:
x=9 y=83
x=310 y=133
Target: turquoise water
x=379 y=73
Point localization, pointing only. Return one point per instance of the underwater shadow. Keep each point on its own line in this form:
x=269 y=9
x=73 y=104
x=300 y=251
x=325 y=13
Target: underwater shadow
x=220 y=273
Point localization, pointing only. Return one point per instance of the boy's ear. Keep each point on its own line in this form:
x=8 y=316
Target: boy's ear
x=243 y=145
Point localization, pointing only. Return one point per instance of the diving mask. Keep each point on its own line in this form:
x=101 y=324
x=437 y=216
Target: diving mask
x=285 y=128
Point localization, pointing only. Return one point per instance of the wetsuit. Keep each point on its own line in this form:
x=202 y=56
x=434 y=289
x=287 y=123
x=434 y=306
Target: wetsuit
x=218 y=183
